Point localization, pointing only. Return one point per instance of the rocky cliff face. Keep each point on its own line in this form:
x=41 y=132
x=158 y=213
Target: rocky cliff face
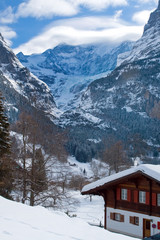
x=127 y=101
x=149 y=44
x=68 y=70
x=20 y=88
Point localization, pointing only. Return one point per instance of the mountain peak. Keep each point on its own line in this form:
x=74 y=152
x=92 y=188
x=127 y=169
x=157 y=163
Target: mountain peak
x=23 y=83
x=154 y=20
x=1 y=38
x=149 y=44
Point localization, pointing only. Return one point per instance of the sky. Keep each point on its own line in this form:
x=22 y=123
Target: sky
x=33 y=26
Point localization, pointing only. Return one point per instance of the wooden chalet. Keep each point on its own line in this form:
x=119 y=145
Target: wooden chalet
x=132 y=200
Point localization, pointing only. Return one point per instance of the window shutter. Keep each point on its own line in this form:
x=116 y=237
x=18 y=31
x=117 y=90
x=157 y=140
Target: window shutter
x=129 y=195
x=118 y=193
x=158 y=225
x=112 y=216
x=122 y=218
x=132 y=220
x=154 y=199
x=147 y=198
x=135 y=196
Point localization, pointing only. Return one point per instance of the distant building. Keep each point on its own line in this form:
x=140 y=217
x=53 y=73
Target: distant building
x=132 y=200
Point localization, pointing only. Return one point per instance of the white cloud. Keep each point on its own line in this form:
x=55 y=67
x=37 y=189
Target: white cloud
x=141 y=17
x=49 y=8
x=81 y=31
x=148 y=4
x=99 y=4
x=7 y=16
x=90 y=23
x=118 y=14
x=8 y=34
x=148 y=1
x=46 y=8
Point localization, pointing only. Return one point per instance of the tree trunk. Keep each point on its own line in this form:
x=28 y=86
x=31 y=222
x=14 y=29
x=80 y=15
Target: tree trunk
x=24 y=171
x=32 y=191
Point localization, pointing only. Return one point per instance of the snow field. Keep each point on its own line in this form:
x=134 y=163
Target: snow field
x=22 y=222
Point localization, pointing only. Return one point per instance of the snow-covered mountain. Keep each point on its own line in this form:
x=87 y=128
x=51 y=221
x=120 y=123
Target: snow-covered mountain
x=148 y=46
x=20 y=88
x=126 y=102
x=68 y=70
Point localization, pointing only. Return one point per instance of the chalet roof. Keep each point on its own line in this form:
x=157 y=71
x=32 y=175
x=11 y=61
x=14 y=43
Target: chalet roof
x=152 y=171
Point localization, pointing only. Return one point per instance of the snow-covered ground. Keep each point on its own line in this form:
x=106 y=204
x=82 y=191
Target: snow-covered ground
x=89 y=208
x=22 y=222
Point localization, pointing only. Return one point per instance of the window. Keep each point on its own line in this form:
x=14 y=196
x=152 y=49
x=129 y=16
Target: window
x=134 y=220
x=117 y=217
x=158 y=199
x=124 y=194
x=142 y=197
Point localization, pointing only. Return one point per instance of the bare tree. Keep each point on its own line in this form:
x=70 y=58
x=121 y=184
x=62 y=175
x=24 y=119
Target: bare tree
x=39 y=183
x=115 y=156
x=137 y=147
x=155 y=111
x=23 y=126
x=99 y=169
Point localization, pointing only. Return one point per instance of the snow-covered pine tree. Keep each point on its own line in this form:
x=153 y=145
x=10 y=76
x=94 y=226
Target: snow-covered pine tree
x=5 y=161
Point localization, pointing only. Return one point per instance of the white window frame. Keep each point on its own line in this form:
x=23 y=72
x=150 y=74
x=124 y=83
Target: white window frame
x=158 y=199
x=124 y=195
x=142 y=197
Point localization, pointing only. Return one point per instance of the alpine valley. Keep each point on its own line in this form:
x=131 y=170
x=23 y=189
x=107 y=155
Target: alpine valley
x=123 y=102
x=68 y=70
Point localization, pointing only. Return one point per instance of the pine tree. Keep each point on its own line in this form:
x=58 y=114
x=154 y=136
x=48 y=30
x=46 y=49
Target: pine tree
x=5 y=161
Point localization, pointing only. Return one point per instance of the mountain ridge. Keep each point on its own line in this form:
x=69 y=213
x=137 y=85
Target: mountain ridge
x=148 y=45
x=19 y=86
x=123 y=104
x=68 y=70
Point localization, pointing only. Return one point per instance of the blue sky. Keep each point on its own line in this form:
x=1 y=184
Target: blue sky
x=32 y=26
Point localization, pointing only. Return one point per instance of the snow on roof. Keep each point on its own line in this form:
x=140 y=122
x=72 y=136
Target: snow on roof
x=148 y=169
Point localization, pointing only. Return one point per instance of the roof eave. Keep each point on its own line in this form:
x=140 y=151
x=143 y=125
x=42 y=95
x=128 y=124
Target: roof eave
x=98 y=189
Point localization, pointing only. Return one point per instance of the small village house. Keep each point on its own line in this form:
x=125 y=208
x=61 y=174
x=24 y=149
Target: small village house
x=132 y=200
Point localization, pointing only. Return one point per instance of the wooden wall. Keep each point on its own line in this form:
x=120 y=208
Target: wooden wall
x=139 y=183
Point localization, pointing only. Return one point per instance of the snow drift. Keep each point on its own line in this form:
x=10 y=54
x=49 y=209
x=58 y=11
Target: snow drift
x=22 y=222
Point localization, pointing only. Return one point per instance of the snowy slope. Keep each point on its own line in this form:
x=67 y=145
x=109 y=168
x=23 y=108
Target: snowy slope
x=68 y=70
x=21 y=222
x=20 y=87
